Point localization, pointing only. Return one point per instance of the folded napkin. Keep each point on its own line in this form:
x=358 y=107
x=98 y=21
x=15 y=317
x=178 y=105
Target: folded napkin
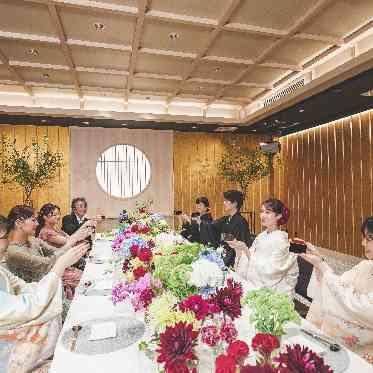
x=103 y=330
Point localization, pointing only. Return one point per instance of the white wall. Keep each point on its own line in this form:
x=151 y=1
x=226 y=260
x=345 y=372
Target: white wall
x=87 y=144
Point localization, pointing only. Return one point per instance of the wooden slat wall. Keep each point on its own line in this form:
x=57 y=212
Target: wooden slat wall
x=191 y=180
x=326 y=179
x=58 y=191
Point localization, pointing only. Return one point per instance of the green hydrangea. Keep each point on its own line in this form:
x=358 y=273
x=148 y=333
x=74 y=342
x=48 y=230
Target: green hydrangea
x=270 y=311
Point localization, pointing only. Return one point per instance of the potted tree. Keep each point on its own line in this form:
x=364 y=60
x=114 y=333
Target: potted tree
x=31 y=167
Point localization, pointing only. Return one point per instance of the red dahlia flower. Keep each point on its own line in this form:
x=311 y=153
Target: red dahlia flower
x=196 y=304
x=300 y=359
x=238 y=350
x=228 y=299
x=176 y=347
x=139 y=272
x=265 y=343
x=225 y=364
x=145 y=255
x=259 y=369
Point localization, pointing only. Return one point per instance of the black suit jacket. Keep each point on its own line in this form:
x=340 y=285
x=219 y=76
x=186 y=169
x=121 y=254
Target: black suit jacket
x=70 y=224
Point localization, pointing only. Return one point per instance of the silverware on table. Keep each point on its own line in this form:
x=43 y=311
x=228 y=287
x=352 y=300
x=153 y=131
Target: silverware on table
x=335 y=347
x=76 y=329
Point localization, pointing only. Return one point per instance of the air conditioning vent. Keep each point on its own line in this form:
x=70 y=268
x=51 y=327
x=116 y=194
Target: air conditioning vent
x=226 y=129
x=289 y=89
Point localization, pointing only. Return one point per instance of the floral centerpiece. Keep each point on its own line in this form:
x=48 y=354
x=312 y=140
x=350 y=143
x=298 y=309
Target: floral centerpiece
x=191 y=309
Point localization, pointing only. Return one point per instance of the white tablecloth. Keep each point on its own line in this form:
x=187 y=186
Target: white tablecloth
x=129 y=359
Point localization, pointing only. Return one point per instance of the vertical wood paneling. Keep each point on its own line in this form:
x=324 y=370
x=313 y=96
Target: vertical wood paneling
x=58 y=191
x=326 y=178
x=191 y=152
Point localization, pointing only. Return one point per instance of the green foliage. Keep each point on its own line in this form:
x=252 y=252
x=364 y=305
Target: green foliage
x=270 y=311
x=244 y=166
x=31 y=167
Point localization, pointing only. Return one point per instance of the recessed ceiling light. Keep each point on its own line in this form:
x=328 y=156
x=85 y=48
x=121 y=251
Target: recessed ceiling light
x=86 y=122
x=32 y=52
x=194 y=127
x=301 y=110
x=174 y=35
x=99 y=26
x=46 y=76
x=123 y=124
x=43 y=120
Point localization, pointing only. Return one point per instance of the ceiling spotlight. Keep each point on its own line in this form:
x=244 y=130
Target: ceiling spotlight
x=194 y=127
x=124 y=124
x=43 y=120
x=86 y=122
x=174 y=35
x=32 y=52
x=99 y=26
x=301 y=110
x=46 y=76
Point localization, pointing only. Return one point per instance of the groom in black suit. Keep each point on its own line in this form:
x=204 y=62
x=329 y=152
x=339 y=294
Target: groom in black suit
x=72 y=222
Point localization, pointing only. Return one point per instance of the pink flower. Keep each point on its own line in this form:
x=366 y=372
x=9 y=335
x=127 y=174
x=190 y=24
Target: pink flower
x=210 y=335
x=228 y=332
x=134 y=249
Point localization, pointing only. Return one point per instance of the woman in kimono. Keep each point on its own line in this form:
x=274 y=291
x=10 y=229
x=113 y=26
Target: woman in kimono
x=28 y=257
x=343 y=305
x=268 y=262
x=30 y=314
x=47 y=230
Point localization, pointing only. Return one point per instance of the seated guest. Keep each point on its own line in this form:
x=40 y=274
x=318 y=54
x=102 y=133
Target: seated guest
x=198 y=228
x=28 y=257
x=47 y=230
x=343 y=305
x=72 y=222
x=268 y=262
x=30 y=319
x=233 y=224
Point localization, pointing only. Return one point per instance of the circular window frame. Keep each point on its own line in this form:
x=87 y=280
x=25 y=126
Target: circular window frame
x=136 y=195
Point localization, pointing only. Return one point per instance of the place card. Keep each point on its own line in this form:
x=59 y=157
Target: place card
x=103 y=331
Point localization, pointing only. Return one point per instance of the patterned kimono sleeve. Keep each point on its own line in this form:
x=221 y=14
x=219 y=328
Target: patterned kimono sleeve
x=39 y=303
x=357 y=306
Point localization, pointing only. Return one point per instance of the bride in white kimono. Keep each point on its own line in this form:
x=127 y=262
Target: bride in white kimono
x=268 y=262
x=30 y=315
x=343 y=305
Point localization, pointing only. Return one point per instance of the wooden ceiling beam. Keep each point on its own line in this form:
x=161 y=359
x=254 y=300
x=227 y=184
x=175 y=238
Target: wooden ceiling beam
x=56 y=20
x=4 y=59
x=143 y=8
x=227 y=14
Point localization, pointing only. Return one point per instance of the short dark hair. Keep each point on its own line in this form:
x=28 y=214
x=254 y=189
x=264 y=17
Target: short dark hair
x=19 y=212
x=76 y=200
x=4 y=226
x=234 y=196
x=203 y=200
x=367 y=226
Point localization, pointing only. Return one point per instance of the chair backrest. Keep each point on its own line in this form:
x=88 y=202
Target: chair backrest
x=305 y=272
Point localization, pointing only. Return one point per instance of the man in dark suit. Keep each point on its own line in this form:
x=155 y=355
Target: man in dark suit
x=72 y=222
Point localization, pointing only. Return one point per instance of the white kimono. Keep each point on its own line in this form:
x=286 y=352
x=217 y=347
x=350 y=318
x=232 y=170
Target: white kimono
x=270 y=264
x=29 y=321
x=343 y=306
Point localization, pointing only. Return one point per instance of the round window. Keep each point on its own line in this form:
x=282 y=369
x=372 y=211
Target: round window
x=123 y=171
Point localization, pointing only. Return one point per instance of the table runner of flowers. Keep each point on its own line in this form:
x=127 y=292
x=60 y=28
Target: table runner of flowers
x=191 y=305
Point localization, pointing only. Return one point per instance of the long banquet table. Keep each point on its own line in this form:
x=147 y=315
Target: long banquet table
x=129 y=359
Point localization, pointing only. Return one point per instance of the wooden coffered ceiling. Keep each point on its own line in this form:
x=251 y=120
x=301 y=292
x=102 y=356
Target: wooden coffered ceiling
x=230 y=51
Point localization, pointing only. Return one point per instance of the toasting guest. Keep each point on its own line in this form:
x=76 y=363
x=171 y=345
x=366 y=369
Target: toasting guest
x=198 y=227
x=343 y=305
x=72 y=222
x=233 y=226
x=268 y=262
